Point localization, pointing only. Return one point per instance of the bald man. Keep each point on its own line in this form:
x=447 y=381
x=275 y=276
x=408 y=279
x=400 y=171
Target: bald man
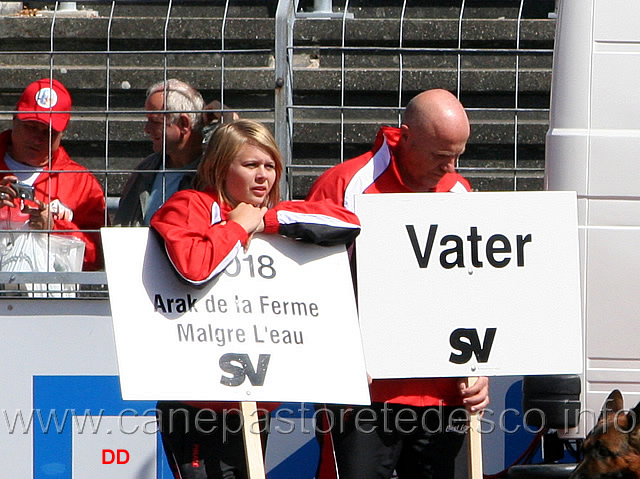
x=414 y=426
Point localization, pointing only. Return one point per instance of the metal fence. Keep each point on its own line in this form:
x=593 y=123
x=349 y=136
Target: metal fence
x=367 y=63
x=324 y=81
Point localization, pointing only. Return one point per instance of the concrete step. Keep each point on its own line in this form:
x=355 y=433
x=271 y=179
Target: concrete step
x=82 y=81
x=492 y=33
x=441 y=8
x=133 y=37
x=28 y=32
x=359 y=8
x=415 y=80
x=316 y=58
x=128 y=130
x=133 y=33
x=180 y=8
x=316 y=82
x=203 y=59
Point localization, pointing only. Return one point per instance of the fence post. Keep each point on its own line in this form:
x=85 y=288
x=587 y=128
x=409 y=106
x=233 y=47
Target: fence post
x=283 y=116
x=323 y=10
x=323 y=6
x=67 y=6
x=7 y=8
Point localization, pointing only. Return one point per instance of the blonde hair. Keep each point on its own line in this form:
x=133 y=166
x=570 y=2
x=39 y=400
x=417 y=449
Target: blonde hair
x=223 y=147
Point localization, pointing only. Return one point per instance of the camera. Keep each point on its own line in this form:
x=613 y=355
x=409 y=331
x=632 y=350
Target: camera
x=26 y=192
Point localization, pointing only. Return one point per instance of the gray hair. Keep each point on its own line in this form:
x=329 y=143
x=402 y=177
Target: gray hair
x=181 y=98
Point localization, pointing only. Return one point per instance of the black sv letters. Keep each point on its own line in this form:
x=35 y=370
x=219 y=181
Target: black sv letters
x=467 y=342
x=239 y=366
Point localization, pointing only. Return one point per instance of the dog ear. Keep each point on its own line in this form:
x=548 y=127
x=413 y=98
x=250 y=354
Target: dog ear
x=634 y=421
x=612 y=405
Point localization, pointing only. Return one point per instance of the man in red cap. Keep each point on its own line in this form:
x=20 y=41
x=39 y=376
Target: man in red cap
x=41 y=188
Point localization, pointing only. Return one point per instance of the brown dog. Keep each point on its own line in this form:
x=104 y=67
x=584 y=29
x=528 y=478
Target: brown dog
x=612 y=448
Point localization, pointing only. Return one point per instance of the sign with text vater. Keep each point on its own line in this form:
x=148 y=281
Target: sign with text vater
x=279 y=324
x=471 y=284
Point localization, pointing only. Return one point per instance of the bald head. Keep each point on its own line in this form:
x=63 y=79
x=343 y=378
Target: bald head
x=437 y=110
x=435 y=130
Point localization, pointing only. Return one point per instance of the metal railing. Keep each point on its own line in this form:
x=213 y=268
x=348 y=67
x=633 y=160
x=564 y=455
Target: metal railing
x=322 y=85
x=503 y=57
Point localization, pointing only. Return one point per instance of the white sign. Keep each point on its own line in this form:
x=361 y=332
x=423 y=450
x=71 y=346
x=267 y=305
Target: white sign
x=279 y=324
x=476 y=284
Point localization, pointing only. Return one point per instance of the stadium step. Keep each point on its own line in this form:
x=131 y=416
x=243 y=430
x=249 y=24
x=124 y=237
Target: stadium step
x=499 y=57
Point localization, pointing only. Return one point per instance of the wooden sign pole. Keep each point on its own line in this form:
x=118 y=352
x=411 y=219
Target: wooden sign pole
x=252 y=444
x=475 y=441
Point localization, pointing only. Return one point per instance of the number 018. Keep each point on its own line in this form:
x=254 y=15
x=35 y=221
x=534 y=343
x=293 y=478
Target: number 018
x=264 y=267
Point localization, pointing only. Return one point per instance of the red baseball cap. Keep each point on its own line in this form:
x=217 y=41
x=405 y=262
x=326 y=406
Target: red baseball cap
x=43 y=100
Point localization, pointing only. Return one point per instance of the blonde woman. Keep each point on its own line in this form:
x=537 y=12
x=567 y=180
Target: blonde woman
x=204 y=230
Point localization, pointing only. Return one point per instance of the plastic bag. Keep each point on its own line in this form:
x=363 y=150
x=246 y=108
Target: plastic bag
x=28 y=251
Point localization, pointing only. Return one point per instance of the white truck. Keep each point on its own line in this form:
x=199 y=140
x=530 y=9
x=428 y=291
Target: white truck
x=593 y=148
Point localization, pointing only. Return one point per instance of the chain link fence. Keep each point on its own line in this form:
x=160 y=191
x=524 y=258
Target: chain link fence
x=323 y=77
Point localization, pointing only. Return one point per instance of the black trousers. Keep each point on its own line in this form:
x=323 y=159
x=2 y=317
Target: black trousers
x=204 y=444
x=371 y=442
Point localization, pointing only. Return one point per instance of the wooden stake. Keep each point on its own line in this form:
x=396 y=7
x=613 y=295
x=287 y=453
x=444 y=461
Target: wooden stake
x=475 y=441
x=252 y=444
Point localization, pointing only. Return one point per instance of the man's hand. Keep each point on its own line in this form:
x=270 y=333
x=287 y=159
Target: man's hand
x=7 y=194
x=476 y=397
x=40 y=217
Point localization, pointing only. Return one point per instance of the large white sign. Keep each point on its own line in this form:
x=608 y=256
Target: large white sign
x=279 y=324
x=477 y=284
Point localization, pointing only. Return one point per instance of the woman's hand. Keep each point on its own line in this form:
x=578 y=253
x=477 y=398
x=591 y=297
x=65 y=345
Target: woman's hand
x=250 y=217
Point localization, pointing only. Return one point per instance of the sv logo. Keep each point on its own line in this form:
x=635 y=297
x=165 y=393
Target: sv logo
x=239 y=367
x=467 y=342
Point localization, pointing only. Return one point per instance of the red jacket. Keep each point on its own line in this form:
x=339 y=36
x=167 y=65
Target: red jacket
x=201 y=242
x=75 y=187
x=376 y=172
